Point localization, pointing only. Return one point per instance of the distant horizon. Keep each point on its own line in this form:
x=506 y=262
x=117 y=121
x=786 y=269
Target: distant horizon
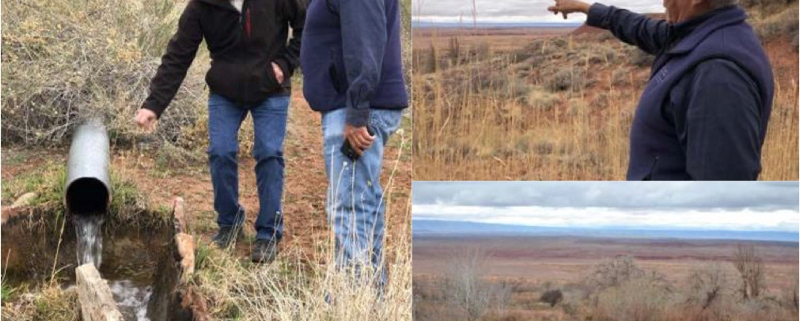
x=730 y=206
x=453 y=11
x=424 y=24
x=446 y=228
x=610 y=227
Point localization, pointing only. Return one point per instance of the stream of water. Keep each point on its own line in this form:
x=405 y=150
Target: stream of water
x=131 y=299
x=89 y=231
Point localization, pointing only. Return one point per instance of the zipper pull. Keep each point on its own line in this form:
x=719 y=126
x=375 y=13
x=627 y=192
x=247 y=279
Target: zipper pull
x=247 y=22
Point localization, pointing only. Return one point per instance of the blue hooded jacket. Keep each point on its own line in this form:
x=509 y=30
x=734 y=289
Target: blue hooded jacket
x=704 y=112
x=351 y=57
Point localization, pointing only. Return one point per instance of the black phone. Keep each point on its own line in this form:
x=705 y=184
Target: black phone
x=348 y=150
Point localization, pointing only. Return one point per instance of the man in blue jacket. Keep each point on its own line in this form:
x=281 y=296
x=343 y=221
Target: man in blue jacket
x=353 y=75
x=704 y=112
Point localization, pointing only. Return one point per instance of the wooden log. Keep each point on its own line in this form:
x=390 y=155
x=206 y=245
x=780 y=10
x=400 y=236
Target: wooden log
x=97 y=303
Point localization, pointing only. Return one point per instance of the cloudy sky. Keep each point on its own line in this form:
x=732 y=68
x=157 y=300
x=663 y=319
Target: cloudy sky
x=511 y=10
x=658 y=205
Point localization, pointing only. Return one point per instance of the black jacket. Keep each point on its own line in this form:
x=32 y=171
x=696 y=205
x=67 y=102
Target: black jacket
x=242 y=46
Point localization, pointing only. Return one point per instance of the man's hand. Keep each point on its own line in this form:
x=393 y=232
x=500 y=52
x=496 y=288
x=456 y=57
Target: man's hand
x=278 y=72
x=359 y=138
x=146 y=119
x=566 y=7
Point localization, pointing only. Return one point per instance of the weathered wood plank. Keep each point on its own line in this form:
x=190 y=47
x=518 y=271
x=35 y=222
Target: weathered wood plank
x=97 y=303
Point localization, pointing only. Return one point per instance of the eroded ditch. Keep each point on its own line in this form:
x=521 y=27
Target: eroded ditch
x=128 y=255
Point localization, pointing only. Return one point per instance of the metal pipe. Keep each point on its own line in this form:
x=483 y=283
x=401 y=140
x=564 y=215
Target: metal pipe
x=87 y=190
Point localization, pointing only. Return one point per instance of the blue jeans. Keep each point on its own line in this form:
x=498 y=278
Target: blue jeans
x=269 y=122
x=355 y=202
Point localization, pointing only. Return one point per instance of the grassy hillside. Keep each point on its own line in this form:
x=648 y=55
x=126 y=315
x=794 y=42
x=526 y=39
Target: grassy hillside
x=560 y=108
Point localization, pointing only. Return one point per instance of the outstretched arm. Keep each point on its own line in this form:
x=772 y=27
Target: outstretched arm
x=650 y=35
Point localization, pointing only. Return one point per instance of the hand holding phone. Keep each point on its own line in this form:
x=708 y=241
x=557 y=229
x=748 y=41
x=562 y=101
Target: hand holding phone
x=352 y=133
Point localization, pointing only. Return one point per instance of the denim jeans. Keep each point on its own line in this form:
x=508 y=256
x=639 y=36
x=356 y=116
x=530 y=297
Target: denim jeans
x=355 y=204
x=269 y=122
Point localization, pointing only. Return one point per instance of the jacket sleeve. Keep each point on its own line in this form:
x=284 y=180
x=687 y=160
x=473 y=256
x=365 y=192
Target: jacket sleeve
x=718 y=122
x=295 y=14
x=180 y=53
x=650 y=35
x=363 y=25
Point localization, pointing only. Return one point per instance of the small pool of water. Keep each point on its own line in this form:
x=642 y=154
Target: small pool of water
x=131 y=299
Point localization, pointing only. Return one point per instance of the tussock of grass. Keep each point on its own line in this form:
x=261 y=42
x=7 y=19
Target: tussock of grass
x=292 y=288
x=49 y=303
x=47 y=182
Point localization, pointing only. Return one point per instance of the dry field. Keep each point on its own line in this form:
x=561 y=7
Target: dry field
x=637 y=279
x=500 y=40
x=546 y=105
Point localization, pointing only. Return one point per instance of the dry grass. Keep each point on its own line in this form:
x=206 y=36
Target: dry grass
x=64 y=61
x=49 y=303
x=561 y=109
x=294 y=289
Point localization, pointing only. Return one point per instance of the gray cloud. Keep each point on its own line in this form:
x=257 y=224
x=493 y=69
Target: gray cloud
x=525 y=10
x=677 y=196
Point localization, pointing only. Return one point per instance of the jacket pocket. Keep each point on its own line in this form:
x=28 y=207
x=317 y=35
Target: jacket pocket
x=270 y=80
x=652 y=170
x=336 y=73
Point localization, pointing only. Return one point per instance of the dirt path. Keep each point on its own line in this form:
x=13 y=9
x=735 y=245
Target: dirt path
x=304 y=194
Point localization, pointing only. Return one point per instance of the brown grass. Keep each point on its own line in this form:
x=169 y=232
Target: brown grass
x=559 y=108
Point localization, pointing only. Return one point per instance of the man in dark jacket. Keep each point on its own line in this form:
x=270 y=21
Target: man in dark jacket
x=353 y=75
x=251 y=67
x=704 y=112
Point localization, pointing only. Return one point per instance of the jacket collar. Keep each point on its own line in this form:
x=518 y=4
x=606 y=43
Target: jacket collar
x=688 y=34
x=226 y=4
